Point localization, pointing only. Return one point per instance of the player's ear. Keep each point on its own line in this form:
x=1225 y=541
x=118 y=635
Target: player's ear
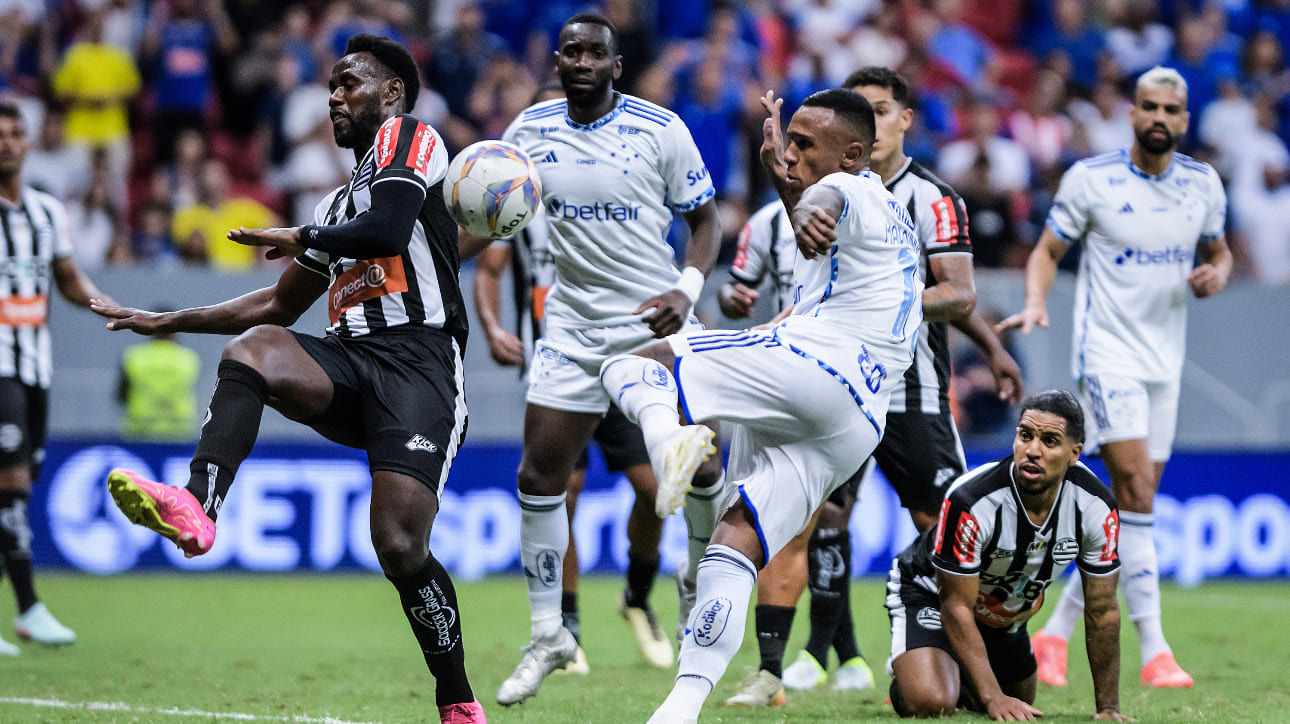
x=393 y=90
x=1075 y=451
x=853 y=155
x=618 y=66
x=906 y=118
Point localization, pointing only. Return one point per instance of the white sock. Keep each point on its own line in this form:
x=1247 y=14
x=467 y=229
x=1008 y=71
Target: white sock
x=1069 y=609
x=685 y=701
x=725 y=581
x=701 y=519
x=1140 y=579
x=544 y=538
x=646 y=393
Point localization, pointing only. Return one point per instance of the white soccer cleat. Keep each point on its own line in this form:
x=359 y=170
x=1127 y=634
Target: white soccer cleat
x=685 y=598
x=39 y=625
x=541 y=657
x=682 y=454
x=853 y=675
x=578 y=666
x=804 y=673
x=762 y=689
x=654 y=646
x=8 y=649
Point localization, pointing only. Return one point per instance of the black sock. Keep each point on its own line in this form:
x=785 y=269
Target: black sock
x=430 y=603
x=15 y=546
x=228 y=435
x=640 y=578
x=569 y=615
x=844 y=637
x=826 y=575
x=773 y=626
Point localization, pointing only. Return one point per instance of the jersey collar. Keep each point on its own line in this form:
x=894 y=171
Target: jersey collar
x=895 y=179
x=1124 y=155
x=611 y=115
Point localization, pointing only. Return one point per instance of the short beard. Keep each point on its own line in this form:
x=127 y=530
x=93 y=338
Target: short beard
x=582 y=98
x=361 y=130
x=1156 y=147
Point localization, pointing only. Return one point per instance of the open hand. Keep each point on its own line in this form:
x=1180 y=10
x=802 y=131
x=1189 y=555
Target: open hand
x=282 y=241
x=135 y=320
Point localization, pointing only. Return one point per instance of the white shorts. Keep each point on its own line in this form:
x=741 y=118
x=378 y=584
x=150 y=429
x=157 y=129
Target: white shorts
x=803 y=432
x=565 y=372
x=1120 y=408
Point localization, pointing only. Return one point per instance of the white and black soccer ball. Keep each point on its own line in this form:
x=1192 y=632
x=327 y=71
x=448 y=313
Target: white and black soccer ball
x=493 y=189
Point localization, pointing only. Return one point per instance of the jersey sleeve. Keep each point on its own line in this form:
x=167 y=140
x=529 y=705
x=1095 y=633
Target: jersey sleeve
x=62 y=227
x=1069 y=216
x=1100 y=536
x=410 y=151
x=689 y=185
x=754 y=248
x=318 y=262
x=1215 y=209
x=960 y=536
x=942 y=221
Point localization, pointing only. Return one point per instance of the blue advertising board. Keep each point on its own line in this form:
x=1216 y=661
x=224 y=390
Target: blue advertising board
x=305 y=507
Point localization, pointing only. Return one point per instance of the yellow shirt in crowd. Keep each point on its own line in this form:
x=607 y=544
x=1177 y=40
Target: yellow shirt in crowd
x=214 y=223
x=96 y=80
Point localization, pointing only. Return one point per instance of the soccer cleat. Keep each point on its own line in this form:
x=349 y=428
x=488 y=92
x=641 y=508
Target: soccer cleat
x=1050 y=652
x=853 y=675
x=685 y=595
x=760 y=690
x=39 y=625
x=649 y=637
x=683 y=453
x=8 y=649
x=805 y=673
x=469 y=712
x=578 y=666
x=1163 y=672
x=172 y=512
x=539 y=660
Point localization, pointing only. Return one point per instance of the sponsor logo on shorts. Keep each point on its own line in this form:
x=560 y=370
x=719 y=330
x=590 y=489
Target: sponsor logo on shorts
x=436 y=615
x=929 y=618
x=10 y=437
x=1065 y=550
x=421 y=442
x=944 y=476
x=710 y=622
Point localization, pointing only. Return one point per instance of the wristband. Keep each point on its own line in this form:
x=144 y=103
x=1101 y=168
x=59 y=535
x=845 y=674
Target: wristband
x=691 y=283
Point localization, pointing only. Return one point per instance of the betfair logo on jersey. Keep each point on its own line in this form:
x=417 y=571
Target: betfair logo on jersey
x=1146 y=257
x=594 y=211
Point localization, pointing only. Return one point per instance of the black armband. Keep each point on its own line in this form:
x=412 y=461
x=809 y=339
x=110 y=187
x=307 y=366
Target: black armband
x=382 y=231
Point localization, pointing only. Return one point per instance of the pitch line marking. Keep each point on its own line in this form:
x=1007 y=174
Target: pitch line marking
x=173 y=711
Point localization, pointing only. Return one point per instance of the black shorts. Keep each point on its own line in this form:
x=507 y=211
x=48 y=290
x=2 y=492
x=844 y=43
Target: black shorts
x=396 y=394
x=920 y=454
x=24 y=423
x=915 y=616
x=620 y=441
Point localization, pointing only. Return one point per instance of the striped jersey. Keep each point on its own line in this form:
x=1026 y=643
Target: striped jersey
x=857 y=308
x=418 y=286
x=610 y=189
x=767 y=247
x=36 y=234
x=1139 y=235
x=940 y=219
x=984 y=531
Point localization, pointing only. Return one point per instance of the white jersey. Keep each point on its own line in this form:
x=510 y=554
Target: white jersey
x=1139 y=235
x=35 y=234
x=609 y=189
x=767 y=247
x=857 y=309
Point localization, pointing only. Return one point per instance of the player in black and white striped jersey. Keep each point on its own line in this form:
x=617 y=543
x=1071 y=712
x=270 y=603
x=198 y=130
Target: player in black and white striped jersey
x=387 y=377
x=36 y=254
x=960 y=595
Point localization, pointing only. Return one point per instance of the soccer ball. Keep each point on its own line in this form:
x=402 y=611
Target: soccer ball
x=493 y=189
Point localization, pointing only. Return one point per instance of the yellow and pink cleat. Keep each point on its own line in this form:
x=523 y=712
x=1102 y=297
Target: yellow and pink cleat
x=172 y=512
x=467 y=713
x=1163 y=672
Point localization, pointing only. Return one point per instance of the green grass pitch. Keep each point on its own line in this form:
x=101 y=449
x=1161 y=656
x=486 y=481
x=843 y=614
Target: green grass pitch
x=258 y=648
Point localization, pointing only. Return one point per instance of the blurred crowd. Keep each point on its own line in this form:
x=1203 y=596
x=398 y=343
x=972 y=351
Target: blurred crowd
x=163 y=123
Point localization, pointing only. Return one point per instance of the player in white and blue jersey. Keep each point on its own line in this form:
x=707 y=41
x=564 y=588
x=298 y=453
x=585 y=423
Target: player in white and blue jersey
x=810 y=394
x=614 y=170
x=1141 y=215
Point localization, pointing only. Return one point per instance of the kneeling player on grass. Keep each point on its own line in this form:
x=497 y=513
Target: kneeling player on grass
x=387 y=378
x=960 y=595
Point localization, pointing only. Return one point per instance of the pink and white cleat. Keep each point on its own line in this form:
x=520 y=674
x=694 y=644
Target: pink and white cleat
x=172 y=512
x=469 y=712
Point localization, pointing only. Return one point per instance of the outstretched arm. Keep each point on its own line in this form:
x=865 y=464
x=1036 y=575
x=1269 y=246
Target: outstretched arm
x=74 y=285
x=1006 y=371
x=958 y=597
x=280 y=304
x=772 y=150
x=1102 y=638
x=1041 y=271
x=953 y=296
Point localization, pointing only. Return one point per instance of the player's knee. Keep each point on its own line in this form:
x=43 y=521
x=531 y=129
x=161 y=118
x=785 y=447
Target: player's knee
x=253 y=346
x=399 y=551
x=660 y=352
x=709 y=473
x=833 y=516
x=927 y=703
x=535 y=481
